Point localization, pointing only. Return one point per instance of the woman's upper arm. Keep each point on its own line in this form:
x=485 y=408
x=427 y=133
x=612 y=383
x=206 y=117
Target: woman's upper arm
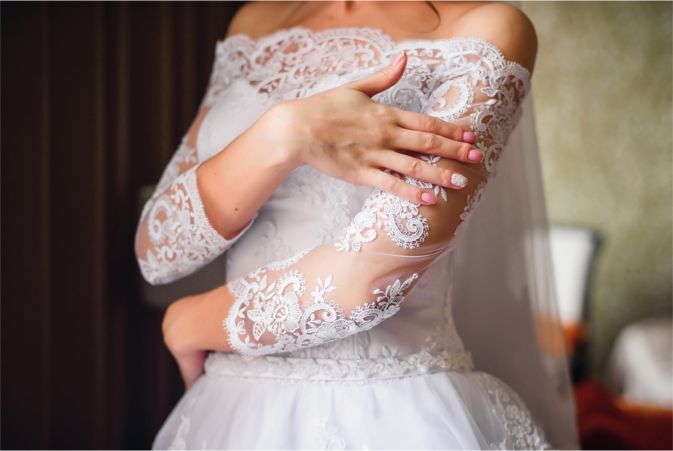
x=174 y=237
x=504 y=25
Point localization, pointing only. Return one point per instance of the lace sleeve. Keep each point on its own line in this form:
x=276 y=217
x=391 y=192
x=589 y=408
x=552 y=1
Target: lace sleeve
x=174 y=237
x=335 y=290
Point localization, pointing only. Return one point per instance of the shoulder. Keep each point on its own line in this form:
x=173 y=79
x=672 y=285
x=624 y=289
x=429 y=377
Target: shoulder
x=505 y=25
x=257 y=18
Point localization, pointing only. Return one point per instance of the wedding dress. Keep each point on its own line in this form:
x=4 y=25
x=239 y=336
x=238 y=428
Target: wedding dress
x=342 y=322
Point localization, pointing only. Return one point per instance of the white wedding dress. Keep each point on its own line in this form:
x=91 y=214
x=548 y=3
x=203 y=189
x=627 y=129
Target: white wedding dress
x=343 y=316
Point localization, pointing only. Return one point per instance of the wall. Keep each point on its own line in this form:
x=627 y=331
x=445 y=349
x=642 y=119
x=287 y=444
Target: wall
x=603 y=98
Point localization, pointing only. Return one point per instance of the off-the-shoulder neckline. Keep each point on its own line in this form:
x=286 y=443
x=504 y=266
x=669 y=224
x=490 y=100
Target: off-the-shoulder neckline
x=422 y=42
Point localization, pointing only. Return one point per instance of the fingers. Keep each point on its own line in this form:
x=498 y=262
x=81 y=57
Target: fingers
x=398 y=187
x=434 y=144
x=383 y=79
x=419 y=169
x=425 y=123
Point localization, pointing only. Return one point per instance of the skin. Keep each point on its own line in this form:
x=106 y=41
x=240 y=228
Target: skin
x=311 y=131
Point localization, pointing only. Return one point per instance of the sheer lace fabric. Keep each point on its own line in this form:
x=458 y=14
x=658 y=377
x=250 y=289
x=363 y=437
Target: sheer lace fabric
x=174 y=237
x=351 y=285
x=343 y=292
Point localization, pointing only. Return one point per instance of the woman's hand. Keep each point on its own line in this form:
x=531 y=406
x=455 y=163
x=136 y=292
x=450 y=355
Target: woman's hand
x=192 y=326
x=346 y=135
x=177 y=339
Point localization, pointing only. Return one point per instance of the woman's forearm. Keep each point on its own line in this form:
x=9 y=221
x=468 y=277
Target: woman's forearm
x=238 y=181
x=190 y=365
x=194 y=323
x=199 y=211
x=192 y=326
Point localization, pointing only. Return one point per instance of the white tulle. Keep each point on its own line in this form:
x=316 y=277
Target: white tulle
x=357 y=373
x=448 y=410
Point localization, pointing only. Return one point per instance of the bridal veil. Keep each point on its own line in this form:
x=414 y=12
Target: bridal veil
x=505 y=305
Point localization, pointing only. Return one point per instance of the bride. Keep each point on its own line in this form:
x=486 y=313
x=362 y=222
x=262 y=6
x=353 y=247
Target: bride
x=338 y=156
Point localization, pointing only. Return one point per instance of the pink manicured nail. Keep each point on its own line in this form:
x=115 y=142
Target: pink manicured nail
x=398 y=59
x=475 y=155
x=428 y=198
x=469 y=137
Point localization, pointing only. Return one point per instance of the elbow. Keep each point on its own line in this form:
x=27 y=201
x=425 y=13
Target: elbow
x=148 y=276
x=138 y=248
x=154 y=275
x=147 y=262
x=153 y=271
x=153 y=267
x=156 y=271
x=149 y=271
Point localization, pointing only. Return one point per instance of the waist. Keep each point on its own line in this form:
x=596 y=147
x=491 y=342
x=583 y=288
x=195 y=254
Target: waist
x=319 y=369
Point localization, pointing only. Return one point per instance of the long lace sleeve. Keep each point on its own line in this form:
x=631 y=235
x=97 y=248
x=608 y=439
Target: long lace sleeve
x=174 y=237
x=353 y=284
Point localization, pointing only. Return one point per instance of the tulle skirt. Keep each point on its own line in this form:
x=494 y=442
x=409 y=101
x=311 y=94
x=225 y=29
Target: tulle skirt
x=440 y=410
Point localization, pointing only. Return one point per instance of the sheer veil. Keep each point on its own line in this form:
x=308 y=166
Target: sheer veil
x=505 y=306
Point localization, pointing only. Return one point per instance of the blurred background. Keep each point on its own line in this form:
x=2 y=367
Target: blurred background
x=602 y=92
x=94 y=100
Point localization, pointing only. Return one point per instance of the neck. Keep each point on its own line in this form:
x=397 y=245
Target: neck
x=324 y=14
x=347 y=5
x=334 y=10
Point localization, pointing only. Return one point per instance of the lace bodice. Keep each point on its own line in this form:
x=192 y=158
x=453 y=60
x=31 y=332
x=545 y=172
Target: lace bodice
x=328 y=270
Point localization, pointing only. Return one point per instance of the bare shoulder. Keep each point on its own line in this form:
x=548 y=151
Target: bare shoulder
x=503 y=24
x=257 y=18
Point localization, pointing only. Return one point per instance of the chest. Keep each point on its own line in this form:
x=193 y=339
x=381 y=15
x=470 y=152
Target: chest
x=250 y=76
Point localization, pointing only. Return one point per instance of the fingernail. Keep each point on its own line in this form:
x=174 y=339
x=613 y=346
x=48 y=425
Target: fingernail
x=428 y=198
x=458 y=180
x=398 y=59
x=475 y=154
x=469 y=137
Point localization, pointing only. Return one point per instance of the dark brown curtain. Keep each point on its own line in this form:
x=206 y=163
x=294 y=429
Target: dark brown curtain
x=95 y=98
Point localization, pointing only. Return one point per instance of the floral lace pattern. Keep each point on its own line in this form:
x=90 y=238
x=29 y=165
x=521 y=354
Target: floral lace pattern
x=361 y=370
x=521 y=432
x=442 y=78
x=279 y=308
x=472 y=201
x=274 y=308
x=180 y=439
x=184 y=158
x=450 y=79
x=400 y=218
x=181 y=235
x=317 y=190
x=327 y=435
x=181 y=238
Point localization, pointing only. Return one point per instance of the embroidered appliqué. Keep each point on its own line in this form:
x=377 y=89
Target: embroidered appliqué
x=327 y=435
x=400 y=218
x=280 y=321
x=355 y=370
x=180 y=440
x=181 y=236
x=441 y=79
x=473 y=201
x=521 y=431
x=460 y=78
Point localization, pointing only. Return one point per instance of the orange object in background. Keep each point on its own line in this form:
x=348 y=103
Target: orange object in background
x=608 y=422
x=574 y=335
